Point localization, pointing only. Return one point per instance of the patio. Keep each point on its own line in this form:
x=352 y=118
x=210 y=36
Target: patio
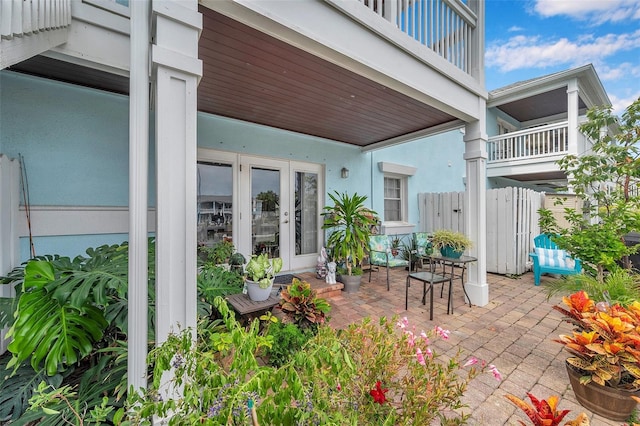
x=514 y=332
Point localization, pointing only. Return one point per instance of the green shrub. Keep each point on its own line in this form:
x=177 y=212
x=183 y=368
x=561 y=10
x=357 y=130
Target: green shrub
x=288 y=339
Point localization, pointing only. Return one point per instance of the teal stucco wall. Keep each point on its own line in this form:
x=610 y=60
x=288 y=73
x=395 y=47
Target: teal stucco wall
x=75 y=144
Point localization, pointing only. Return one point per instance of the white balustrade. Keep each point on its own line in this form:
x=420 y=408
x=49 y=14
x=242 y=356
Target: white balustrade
x=445 y=26
x=24 y=17
x=538 y=142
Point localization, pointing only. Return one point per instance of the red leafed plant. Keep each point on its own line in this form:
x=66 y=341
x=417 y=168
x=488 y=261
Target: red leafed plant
x=606 y=343
x=542 y=412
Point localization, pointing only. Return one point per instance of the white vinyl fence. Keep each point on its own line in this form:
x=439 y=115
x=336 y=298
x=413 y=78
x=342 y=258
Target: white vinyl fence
x=512 y=223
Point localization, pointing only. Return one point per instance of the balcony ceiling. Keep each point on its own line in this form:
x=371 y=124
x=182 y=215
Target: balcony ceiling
x=250 y=76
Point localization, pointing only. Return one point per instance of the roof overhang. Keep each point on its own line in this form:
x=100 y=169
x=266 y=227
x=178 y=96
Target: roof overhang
x=547 y=96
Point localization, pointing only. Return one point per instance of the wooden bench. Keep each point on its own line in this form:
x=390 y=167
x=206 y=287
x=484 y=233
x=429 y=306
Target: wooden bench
x=549 y=259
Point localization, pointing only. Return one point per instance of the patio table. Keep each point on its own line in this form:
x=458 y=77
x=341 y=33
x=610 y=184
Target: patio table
x=452 y=262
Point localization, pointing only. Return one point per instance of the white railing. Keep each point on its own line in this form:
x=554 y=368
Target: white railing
x=24 y=17
x=538 y=142
x=445 y=26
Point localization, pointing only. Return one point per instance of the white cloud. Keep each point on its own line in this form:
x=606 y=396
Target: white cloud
x=620 y=71
x=594 y=11
x=520 y=52
x=620 y=104
x=515 y=29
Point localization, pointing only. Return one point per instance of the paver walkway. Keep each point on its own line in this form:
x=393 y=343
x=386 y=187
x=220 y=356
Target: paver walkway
x=514 y=332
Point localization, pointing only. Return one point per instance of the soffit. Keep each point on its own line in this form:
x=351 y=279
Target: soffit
x=251 y=76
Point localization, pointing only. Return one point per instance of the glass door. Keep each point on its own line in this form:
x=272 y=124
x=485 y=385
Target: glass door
x=215 y=202
x=306 y=233
x=264 y=208
x=280 y=210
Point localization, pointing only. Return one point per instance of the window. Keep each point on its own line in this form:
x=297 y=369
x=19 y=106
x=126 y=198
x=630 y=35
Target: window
x=393 y=199
x=504 y=127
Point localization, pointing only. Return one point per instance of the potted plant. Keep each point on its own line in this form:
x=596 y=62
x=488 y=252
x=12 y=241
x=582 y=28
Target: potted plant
x=261 y=271
x=604 y=369
x=450 y=243
x=236 y=262
x=350 y=222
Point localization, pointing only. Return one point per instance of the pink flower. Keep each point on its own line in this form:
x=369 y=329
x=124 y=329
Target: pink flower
x=339 y=387
x=442 y=332
x=472 y=361
x=495 y=372
x=420 y=357
x=424 y=337
x=403 y=323
x=411 y=338
x=428 y=352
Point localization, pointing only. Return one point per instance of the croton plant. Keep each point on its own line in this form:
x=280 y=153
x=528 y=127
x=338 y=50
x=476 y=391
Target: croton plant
x=606 y=343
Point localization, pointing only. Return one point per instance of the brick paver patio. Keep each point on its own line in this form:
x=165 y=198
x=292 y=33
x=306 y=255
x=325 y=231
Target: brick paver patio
x=514 y=332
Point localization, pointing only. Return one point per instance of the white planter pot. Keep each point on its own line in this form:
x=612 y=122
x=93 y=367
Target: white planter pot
x=256 y=293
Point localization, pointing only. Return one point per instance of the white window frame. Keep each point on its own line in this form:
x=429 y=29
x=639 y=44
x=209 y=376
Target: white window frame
x=505 y=127
x=401 y=172
x=403 y=195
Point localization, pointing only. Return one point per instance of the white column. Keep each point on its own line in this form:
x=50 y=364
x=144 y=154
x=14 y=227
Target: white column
x=138 y=190
x=476 y=206
x=573 y=110
x=10 y=202
x=176 y=71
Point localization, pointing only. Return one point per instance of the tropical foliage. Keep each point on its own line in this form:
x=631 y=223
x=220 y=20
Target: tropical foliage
x=350 y=222
x=68 y=326
x=302 y=305
x=445 y=237
x=605 y=346
x=369 y=374
x=619 y=287
x=544 y=412
x=604 y=180
x=68 y=319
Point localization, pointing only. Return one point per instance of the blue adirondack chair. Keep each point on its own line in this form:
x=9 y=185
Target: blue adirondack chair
x=549 y=259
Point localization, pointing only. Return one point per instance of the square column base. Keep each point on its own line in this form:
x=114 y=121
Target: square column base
x=478 y=293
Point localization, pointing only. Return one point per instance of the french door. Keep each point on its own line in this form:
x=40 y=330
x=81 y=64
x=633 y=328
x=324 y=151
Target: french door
x=274 y=208
x=280 y=204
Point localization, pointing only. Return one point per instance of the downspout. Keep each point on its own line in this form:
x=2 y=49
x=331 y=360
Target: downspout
x=138 y=303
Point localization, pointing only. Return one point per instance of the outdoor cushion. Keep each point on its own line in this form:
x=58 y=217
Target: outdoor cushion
x=551 y=257
x=422 y=243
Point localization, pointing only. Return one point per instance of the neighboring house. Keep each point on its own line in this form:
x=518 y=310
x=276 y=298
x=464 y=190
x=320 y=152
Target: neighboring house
x=532 y=124
x=127 y=114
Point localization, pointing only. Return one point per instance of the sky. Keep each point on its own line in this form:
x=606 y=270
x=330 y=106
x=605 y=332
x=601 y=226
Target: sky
x=530 y=38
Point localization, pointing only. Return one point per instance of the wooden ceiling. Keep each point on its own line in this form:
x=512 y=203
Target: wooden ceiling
x=250 y=76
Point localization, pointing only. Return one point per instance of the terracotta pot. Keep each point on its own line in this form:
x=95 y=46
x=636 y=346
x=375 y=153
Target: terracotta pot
x=611 y=403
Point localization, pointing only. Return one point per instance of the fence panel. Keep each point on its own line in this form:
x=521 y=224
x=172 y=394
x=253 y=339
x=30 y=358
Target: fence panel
x=512 y=223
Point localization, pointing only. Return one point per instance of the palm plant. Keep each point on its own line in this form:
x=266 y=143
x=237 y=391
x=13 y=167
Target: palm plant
x=350 y=223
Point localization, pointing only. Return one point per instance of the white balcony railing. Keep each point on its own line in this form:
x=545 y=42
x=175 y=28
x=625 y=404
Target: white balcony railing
x=445 y=26
x=25 y=17
x=539 y=142
x=30 y=27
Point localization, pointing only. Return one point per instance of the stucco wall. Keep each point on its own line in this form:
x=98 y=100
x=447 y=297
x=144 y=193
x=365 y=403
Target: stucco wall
x=75 y=144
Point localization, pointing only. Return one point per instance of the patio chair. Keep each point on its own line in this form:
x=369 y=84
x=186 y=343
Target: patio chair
x=422 y=245
x=430 y=278
x=549 y=259
x=380 y=255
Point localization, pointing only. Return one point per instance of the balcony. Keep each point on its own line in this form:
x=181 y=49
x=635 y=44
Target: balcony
x=444 y=26
x=531 y=154
x=30 y=27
